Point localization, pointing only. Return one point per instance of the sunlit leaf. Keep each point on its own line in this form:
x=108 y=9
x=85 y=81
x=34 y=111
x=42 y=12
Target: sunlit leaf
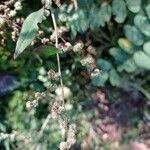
x=126 y=45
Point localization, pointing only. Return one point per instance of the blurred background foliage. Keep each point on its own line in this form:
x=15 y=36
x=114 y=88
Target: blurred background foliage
x=111 y=111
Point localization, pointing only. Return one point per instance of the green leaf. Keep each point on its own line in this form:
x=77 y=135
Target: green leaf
x=118 y=54
x=126 y=45
x=143 y=24
x=98 y=16
x=146 y=48
x=28 y=31
x=104 y=64
x=105 y=12
x=114 y=78
x=129 y=66
x=134 y=5
x=100 y=80
x=78 y=22
x=119 y=10
x=47 y=50
x=94 y=14
x=142 y=60
x=148 y=11
x=133 y=35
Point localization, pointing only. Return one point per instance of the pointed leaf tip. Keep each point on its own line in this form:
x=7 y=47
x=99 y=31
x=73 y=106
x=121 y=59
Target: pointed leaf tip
x=15 y=55
x=28 y=31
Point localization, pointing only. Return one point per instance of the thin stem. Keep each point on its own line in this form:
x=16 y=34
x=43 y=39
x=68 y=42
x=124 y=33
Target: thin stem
x=59 y=66
x=75 y=5
x=58 y=58
x=44 y=125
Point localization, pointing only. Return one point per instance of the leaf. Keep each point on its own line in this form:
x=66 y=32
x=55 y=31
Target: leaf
x=133 y=35
x=99 y=16
x=129 y=66
x=78 y=22
x=28 y=31
x=126 y=45
x=100 y=80
x=142 y=60
x=105 y=12
x=143 y=24
x=104 y=64
x=119 y=10
x=118 y=54
x=47 y=50
x=114 y=78
x=148 y=11
x=134 y=5
x=146 y=48
x=94 y=12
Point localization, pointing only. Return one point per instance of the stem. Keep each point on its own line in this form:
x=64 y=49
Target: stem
x=44 y=125
x=59 y=66
x=58 y=58
x=75 y=5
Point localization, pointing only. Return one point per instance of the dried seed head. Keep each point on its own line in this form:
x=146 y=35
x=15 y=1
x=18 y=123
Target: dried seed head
x=56 y=110
x=39 y=96
x=65 y=46
x=71 y=139
x=63 y=145
x=87 y=60
x=31 y=104
x=53 y=75
x=78 y=47
x=28 y=105
x=44 y=41
x=12 y=13
x=18 y=5
x=2 y=21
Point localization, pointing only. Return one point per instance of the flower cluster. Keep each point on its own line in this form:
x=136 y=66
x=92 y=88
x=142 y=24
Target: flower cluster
x=33 y=104
x=88 y=60
x=78 y=47
x=56 y=110
x=71 y=138
x=53 y=75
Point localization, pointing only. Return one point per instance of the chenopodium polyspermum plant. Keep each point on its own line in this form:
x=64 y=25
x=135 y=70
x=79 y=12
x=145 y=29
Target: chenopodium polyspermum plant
x=28 y=33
